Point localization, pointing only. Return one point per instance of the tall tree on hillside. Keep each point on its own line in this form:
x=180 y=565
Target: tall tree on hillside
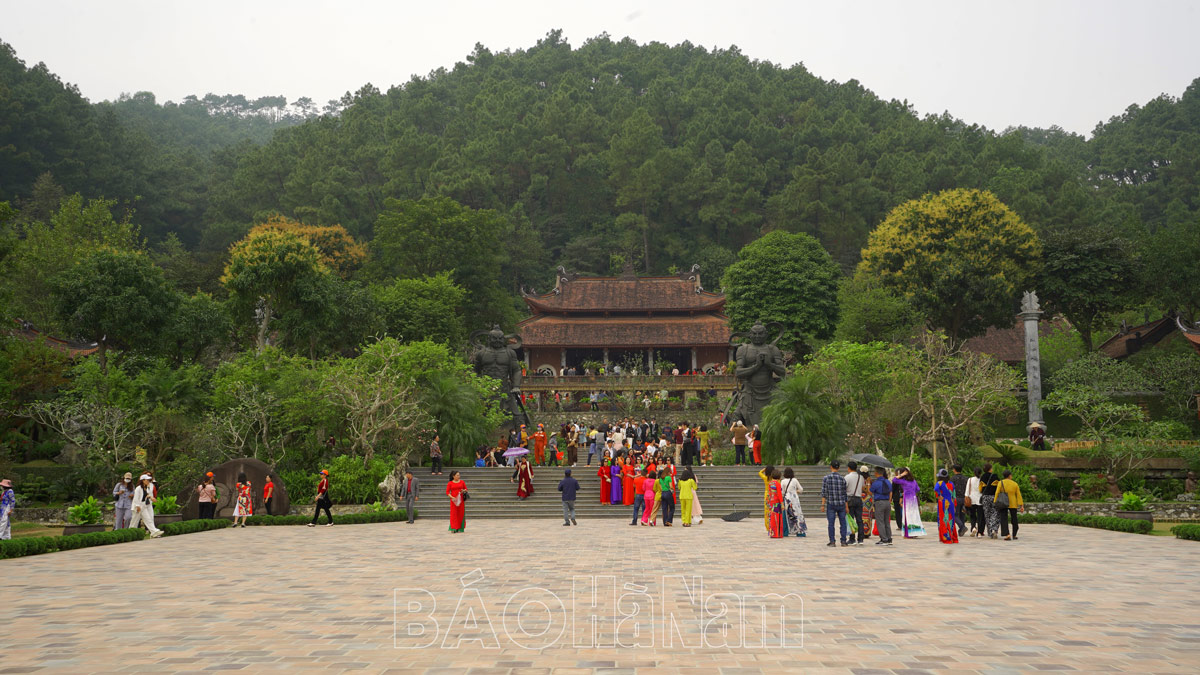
x=1085 y=274
x=271 y=273
x=961 y=256
x=787 y=278
x=115 y=298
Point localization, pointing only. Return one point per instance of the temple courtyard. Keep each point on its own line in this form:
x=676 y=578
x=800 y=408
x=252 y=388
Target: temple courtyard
x=533 y=596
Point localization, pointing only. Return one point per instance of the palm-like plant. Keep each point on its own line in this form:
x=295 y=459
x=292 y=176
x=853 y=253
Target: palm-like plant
x=457 y=412
x=800 y=424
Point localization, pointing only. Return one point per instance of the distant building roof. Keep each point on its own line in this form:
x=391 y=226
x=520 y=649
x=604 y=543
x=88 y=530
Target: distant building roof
x=625 y=331
x=681 y=293
x=71 y=348
x=1008 y=344
x=1130 y=340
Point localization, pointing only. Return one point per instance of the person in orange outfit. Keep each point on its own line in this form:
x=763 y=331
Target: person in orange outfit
x=539 y=446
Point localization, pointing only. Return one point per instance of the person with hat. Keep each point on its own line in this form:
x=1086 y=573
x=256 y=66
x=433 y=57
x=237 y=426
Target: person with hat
x=322 y=500
x=123 y=493
x=207 y=497
x=8 y=502
x=143 y=506
x=539 y=446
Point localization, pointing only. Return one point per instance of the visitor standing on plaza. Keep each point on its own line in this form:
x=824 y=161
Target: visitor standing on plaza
x=739 y=432
x=435 y=457
x=410 y=492
x=206 y=497
x=268 y=494
x=687 y=493
x=881 y=495
x=973 y=503
x=775 y=524
x=605 y=476
x=833 y=501
x=855 y=485
x=959 y=481
x=322 y=500
x=909 y=518
x=639 y=498
x=456 y=490
x=569 y=487
x=8 y=502
x=666 y=491
x=988 y=482
x=947 y=517
x=243 y=505
x=143 y=506
x=793 y=515
x=123 y=511
x=1008 y=502
x=628 y=470
x=765 y=475
x=617 y=486
x=653 y=498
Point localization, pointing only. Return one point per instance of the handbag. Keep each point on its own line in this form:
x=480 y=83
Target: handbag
x=465 y=495
x=1001 y=498
x=967 y=501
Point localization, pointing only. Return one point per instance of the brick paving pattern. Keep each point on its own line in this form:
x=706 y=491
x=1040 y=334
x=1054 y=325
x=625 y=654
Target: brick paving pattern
x=301 y=600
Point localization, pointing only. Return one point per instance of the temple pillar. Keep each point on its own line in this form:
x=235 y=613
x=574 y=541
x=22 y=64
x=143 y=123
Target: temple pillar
x=650 y=361
x=1030 y=314
x=693 y=359
x=606 y=359
x=562 y=358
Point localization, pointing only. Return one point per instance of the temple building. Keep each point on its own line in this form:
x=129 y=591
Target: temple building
x=637 y=323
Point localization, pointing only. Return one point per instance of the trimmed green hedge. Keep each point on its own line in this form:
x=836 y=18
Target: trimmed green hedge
x=1187 y=531
x=345 y=519
x=15 y=548
x=1098 y=522
x=190 y=526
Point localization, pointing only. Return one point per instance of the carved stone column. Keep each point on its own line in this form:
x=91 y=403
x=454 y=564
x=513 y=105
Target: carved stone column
x=1030 y=314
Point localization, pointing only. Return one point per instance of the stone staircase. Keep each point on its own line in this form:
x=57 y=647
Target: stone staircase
x=722 y=490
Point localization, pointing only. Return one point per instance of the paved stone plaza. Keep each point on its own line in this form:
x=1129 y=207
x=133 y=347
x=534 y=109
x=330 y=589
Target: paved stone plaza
x=319 y=600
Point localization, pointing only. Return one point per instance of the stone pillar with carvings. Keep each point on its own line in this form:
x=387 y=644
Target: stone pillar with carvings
x=1030 y=314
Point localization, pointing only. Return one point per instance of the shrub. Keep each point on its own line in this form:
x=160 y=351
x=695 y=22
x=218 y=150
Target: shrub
x=190 y=526
x=166 y=506
x=1131 y=502
x=1021 y=474
x=301 y=485
x=350 y=482
x=346 y=519
x=1094 y=486
x=86 y=512
x=1187 y=531
x=1098 y=522
x=15 y=548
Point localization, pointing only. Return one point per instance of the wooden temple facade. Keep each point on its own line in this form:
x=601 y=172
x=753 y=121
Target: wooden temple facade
x=641 y=325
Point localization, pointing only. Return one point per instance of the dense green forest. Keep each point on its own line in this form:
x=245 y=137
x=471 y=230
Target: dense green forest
x=236 y=259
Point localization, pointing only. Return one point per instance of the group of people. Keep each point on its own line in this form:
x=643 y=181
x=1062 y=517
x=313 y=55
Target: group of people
x=991 y=501
x=684 y=443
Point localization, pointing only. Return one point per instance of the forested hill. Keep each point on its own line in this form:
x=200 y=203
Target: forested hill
x=607 y=153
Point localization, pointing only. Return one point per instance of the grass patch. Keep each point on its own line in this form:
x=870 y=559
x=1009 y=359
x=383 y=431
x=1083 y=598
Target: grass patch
x=36 y=530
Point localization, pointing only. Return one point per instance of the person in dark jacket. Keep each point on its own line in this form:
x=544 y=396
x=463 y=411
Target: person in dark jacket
x=881 y=494
x=569 y=487
x=897 y=498
x=959 y=481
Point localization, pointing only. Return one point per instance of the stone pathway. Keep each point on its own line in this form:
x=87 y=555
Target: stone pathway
x=318 y=600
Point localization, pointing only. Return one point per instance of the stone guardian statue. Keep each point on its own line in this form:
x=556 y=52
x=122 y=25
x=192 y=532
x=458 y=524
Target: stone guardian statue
x=496 y=356
x=759 y=366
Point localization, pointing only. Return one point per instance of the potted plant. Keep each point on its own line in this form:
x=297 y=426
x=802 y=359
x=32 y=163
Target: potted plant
x=1133 y=507
x=166 y=510
x=84 y=517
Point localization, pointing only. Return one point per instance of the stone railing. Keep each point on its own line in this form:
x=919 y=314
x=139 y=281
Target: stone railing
x=652 y=383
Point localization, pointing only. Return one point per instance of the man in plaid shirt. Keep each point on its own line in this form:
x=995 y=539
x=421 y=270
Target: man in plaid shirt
x=833 y=500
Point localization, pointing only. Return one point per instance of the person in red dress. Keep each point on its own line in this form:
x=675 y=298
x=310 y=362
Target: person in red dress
x=605 y=482
x=523 y=477
x=456 y=490
x=627 y=473
x=775 y=504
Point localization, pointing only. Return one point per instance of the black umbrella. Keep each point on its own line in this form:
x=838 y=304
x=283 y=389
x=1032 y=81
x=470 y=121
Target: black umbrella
x=873 y=460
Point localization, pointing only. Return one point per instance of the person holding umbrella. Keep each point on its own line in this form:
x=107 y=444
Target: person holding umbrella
x=523 y=477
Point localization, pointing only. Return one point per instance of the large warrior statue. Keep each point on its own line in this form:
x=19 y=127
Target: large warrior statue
x=496 y=357
x=759 y=363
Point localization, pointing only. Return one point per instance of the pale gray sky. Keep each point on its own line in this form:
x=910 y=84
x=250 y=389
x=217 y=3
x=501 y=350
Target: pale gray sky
x=1035 y=62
